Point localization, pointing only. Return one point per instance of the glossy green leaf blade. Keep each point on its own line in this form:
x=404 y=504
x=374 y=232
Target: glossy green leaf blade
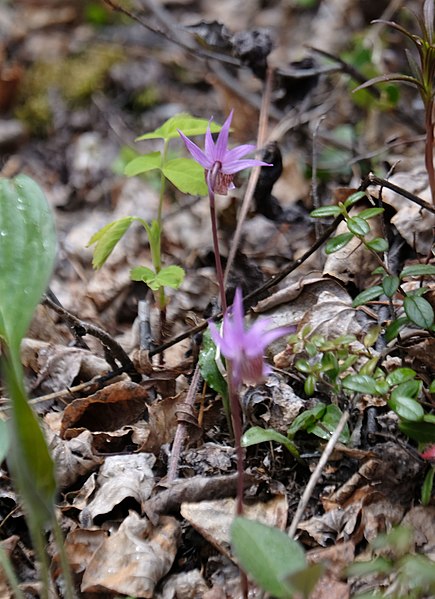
x=29 y=460
x=326 y=426
x=325 y=211
x=256 y=435
x=407 y=408
x=360 y=383
x=358 y=226
x=338 y=242
x=267 y=554
x=418 y=270
x=419 y=311
x=27 y=252
x=378 y=244
x=171 y=276
x=188 y=124
x=370 y=212
x=367 y=295
x=187 y=176
x=106 y=239
x=423 y=432
x=390 y=284
x=143 y=164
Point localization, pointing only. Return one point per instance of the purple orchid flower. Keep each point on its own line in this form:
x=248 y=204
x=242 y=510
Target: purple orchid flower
x=245 y=347
x=219 y=162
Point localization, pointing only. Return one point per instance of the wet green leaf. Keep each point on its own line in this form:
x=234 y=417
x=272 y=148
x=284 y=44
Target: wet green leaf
x=419 y=311
x=338 y=242
x=106 y=239
x=256 y=435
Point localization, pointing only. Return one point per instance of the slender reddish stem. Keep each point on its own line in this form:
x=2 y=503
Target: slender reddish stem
x=429 y=148
x=211 y=179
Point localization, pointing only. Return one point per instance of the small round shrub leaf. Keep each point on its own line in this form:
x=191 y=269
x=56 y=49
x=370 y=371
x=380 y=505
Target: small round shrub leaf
x=338 y=242
x=419 y=311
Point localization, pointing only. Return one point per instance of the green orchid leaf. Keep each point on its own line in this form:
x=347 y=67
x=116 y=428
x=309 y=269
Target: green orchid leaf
x=370 y=213
x=419 y=311
x=27 y=253
x=338 y=242
x=378 y=244
x=426 y=489
x=418 y=270
x=187 y=176
x=256 y=435
x=325 y=211
x=207 y=365
x=268 y=555
x=5 y=439
x=358 y=226
x=400 y=375
x=171 y=276
x=409 y=388
x=407 y=408
x=390 y=284
x=186 y=123
x=143 y=164
x=367 y=295
x=106 y=239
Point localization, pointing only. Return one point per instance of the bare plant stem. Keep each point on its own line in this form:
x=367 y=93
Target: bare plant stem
x=236 y=417
x=429 y=150
x=217 y=256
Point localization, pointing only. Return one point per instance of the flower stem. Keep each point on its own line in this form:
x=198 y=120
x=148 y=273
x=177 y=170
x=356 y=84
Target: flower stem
x=429 y=149
x=236 y=416
x=217 y=256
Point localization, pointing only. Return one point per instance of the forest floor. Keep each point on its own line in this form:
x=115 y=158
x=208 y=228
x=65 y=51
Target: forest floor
x=79 y=82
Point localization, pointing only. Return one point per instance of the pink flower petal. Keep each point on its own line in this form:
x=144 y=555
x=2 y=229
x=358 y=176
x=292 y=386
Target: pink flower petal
x=221 y=146
x=238 y=165
x=238 y=152
x=196 y=152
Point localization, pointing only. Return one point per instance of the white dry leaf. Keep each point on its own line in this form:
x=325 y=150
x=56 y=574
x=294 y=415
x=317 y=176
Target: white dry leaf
x=122 y=477
x=134 y=558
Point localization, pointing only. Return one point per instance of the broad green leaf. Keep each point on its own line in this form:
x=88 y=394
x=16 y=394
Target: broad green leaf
x=146 y=275
x=378 y=244
x=326 y=426
x=310 y=385
x=432 y=387
x=267 y=554
x=390 y=284
x=154 y=234
x=338 y=242
x=354 y=198
x=325 y=211
x=418 y=270
x=382 y=387
x=409 y=388
x=188 y=124
x=30 y=460
x=171 y=276
x=423 y=432
x=367 y=295
x=400 y=375
x=4 y=439
x=370 y=213
x=304 y=581
x=306 y=419
x=360 y=383
x=358 y=226
x=426 y=489
x=27 y=252
x=256 y=435
x=143 y=164
x=394 y=328
x=207 y=365
x=187 y=176
x=406 y=408
x=419 y=311
x=107 y=238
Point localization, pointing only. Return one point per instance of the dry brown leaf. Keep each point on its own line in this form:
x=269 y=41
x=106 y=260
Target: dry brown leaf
x=73 y=459
x=185 y=585
x=107 y=410
x=122 y=478
x=421 y=519
x=81 y=544
x=213 y=519
x=133 y=559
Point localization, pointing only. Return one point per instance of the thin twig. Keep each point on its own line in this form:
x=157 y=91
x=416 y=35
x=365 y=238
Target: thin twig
x=181 y=431
x=371 y=179
x=115 y=350
x=255 y=173
x=316 y=474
